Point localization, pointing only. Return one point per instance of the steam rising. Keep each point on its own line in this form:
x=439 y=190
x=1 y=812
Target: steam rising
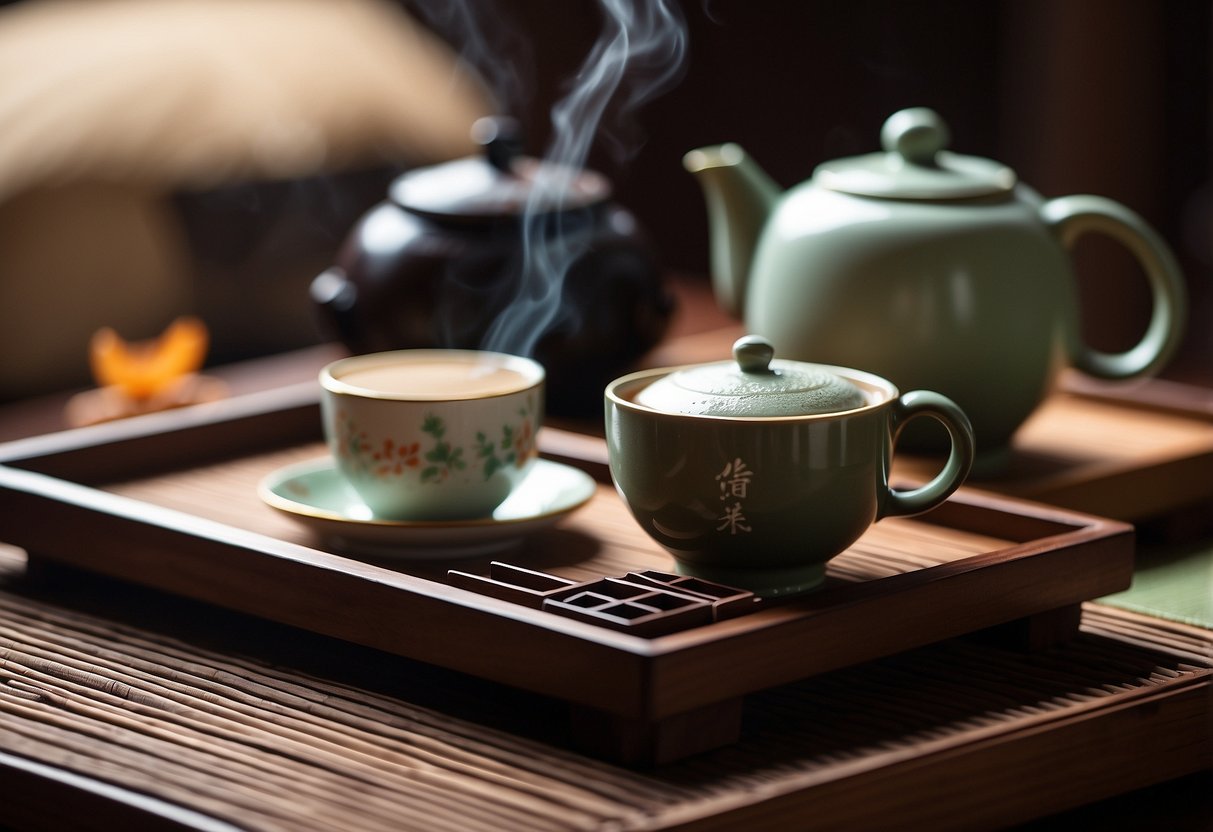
x=488 y=43
x=638 y=55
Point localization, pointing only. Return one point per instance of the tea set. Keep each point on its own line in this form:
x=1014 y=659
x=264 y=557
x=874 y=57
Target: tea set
x=913 y=269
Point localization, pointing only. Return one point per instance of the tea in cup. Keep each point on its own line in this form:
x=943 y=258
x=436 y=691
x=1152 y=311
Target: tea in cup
x=432 y=434
x=755 y=473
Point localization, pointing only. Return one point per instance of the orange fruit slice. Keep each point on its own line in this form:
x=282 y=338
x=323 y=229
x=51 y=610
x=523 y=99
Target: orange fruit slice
x=142 y=369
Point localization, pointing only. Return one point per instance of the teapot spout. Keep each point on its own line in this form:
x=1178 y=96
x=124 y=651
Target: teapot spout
x=739 y=196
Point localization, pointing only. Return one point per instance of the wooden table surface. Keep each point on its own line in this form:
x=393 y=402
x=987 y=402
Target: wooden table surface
x=125 y=708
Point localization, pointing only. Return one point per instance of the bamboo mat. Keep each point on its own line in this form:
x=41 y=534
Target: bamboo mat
x=1175 y=582
x=404 y=746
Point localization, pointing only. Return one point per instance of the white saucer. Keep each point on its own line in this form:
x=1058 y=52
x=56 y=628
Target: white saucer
x=314 y=494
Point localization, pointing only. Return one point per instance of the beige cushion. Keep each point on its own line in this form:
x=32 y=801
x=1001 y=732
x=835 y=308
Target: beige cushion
x=198 y=92
x=106 y=106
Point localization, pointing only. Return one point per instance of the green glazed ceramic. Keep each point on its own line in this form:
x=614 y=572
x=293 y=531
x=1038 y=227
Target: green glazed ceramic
x=762 y=502
x=932 y=269
x=752 y=384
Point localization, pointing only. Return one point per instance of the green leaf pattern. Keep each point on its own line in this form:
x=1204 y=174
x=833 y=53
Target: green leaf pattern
x=431 y=456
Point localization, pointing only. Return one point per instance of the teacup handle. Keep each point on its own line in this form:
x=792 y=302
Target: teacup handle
x=1069 y=217
x=960 y=458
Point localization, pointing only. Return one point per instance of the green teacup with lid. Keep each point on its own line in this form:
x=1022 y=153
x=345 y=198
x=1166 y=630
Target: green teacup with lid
x=755 y=472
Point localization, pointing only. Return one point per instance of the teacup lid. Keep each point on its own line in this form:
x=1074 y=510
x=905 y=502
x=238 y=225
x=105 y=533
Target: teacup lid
x=915 y=164
x=753 y=384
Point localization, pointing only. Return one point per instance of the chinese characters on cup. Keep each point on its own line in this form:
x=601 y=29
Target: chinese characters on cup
x=734 y=483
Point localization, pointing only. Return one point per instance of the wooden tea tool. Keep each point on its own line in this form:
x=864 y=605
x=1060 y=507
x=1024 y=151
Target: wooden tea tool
x=646 y=604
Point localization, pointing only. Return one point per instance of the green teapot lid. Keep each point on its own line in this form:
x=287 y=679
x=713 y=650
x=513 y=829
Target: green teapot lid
x=915 y=164
x=753 y=384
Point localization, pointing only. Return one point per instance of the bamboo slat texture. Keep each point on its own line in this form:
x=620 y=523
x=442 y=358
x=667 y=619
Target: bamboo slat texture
x=954 y=736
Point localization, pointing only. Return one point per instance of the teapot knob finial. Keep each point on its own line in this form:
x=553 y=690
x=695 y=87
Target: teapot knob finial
x=916 y=134
x=501 y=138
x=753 y=354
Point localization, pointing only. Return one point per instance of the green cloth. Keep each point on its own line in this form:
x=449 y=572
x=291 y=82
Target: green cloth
x=1175 y=583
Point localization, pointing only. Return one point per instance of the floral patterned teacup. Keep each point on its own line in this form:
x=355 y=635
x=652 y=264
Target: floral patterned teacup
x=432 y=434
x=755 y=473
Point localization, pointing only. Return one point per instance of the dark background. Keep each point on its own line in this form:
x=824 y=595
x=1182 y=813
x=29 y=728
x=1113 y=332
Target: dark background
x=1110 y=97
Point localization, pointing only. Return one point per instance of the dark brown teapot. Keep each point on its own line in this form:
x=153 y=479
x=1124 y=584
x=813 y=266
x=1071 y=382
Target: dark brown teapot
x=442 y=263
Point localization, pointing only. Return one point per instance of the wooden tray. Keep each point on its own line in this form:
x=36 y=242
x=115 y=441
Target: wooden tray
x=169 y=501
x=1133 y=453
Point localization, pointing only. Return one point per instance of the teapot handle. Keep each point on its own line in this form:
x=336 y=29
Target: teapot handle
x=1070 y=217
x=960 y=458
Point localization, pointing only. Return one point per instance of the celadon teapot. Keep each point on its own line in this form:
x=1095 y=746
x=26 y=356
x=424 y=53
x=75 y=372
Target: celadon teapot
x=932 y=269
